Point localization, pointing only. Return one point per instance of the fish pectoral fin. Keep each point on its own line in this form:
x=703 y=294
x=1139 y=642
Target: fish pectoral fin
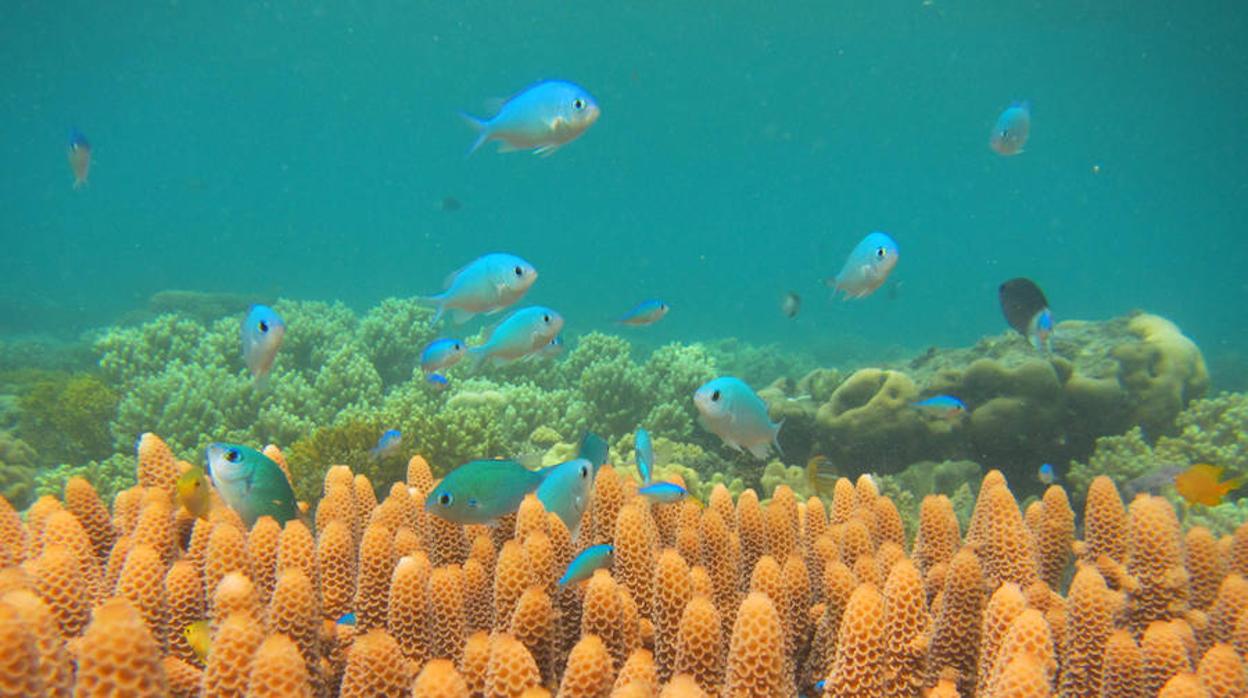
x=547 y=150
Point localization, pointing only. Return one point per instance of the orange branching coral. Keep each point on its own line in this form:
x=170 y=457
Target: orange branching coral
x=603 y=615
x=756 y=652
x=295 y=611
x=938 y=537
x=906 y=627
x=375 y=668
x=700 y=645
x=448 y=545
x=419 y=474
x=1054 y=533
x=58 y=578
x=12 y=535
x=684 y=686
x=365 y=499
x=439 y=679
x=476 y=662
x=530 y=517
x=142 y=581
x=638 y=673
x=956 y=632
x=296 y=548
x=1022 y=677
x=634 y=552
x=1205 y=565
x=84 y=502
x=860 y=647
x=185 y=603
x=157 y=466
x=478 y=597
x=373 y=578
x=1221 y=672
x=511 y=669
x=1006 y=604
x=335 y=554
x=62 y=528
x=511 y=578
x=1092 y=608
x=446 y=613
x=262 y=544
x=782 y=520
x=1029 y=636
x=720 y=559
x=1165 y=654
x=407 y=611
x=1004 y=544
x=117 y=655
x=539 y=560
x=19 y=656
x=1156 y=563
x=752 y=529
x=1185 y=685
x=275 y=454
x=855 y=541
x=1230 y=602
x=605 y=503
x=55 y=667
x=226 y=552
x=797 y=590
x=1122 y=671
x=185 y=679
x=589 y=673
x=533 y=624
x=838 y=585
x=888 y=525
x=279 y=671
x=338 y=504
x=671 y=593
x=1104 y=522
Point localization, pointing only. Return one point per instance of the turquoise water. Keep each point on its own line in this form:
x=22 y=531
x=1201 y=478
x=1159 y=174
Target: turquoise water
x=302 y=150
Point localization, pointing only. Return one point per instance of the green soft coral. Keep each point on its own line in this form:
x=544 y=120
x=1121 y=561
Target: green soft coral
x=108 y=476
x=65 y=418
x=18 y=468
x=393 y=334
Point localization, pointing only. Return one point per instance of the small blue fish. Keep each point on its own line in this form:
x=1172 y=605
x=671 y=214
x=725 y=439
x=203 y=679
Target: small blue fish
x=867 y=267
x=595 y=557
x=388 y=445
x=947 y=406
x=347 y=618
x=664 y=492
x=1012 y=129
x=1041 y=329
x=1047 y=474
x=79 y=157
x=565 y=491
x=553 y=349
x=820 y=684
x=644 y=313
x=728 y=408
x=485 y=285
x=261 y=334
x=481 y=491
x=437 y=381
x=542 y=118
x=250 y=483
x=520 y=335
x=645 y=454
x=441 y=354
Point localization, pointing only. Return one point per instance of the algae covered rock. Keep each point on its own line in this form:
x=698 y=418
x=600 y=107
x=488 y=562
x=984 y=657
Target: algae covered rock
x=869 y=422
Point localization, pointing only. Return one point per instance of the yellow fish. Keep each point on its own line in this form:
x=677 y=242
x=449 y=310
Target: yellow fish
x=1199 y=484
x=821 y=475
x=194 y=492
x=199 y=637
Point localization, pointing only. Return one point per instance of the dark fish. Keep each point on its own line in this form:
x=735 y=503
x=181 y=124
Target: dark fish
x=450 y=203
x=791 y=304
x=1026 y=309
x=1152 y=483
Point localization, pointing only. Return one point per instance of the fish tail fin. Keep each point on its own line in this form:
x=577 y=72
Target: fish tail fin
x=775 y=438
x=439 y=307
x=476 y=358
x=812 y=476
x=481 y=126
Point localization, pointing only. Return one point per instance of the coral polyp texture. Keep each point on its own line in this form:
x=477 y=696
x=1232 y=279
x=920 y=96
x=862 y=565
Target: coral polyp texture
x=744 y=597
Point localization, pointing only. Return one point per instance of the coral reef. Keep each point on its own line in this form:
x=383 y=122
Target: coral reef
x=761 y=598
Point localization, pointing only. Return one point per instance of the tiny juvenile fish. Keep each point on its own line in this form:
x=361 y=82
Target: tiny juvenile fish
x=583 y=566
x=553 y=349
x=1151 y=483
x=388 y=445
x=646 y=312
x=664 y=492
x=198 y=636
x=261 y=334
x=441 y=354
x=521 y=334
x=947 y=406
x=542 y=118
x=1046 y=474
x=791 y=304
x=644 y=449
x=487 y=284
x=79 y=157
x=1012 y=129
x=437 y=381
x=1202 y=484
x=565 y=491
x=194 y=492
x=481 y=491
x=1027 y=310
x=867 y=267
x=821 y=476
x=347 y=618
x=251 y=483
x=728 y=408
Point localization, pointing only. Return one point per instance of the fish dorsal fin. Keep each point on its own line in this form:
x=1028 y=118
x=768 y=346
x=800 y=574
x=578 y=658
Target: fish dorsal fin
x=450 y=278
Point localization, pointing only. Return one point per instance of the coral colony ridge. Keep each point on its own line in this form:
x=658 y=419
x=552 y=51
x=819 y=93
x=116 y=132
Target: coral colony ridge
x=889 y=551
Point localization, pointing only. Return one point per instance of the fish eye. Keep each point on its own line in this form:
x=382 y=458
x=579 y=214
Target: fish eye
x=546 y=319
x=584 y=471
x=578 y=104
x=881 y=252
x=445 y=499
x=232 y=455
x=264 y=326
x=715 y=396
x=519 y=271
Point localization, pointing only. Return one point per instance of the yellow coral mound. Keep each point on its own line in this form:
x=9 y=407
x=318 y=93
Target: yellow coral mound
x=734 y=599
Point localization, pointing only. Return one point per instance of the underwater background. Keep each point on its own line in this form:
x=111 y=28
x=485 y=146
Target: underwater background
x=312 y=152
